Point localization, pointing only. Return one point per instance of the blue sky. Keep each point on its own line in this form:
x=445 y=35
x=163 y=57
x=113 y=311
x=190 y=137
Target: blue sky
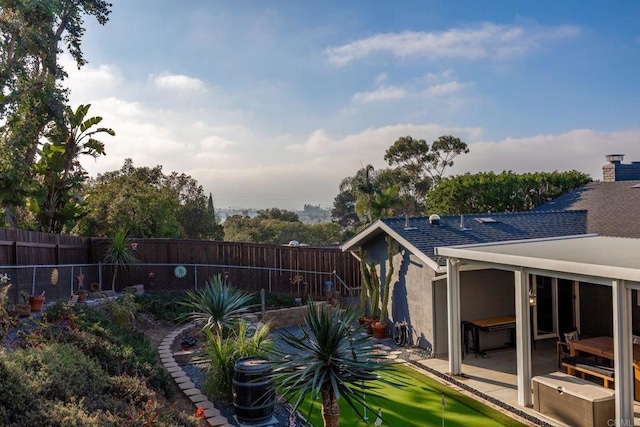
x=271 y=104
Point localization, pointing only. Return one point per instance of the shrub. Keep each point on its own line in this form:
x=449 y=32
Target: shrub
x=162 y=305
x=118 y=350
x=123 y=310
x=220 y=354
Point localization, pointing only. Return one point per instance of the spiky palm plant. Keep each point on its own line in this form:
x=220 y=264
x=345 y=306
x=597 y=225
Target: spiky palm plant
x=120 y=254
x=218 y=306
x=333 y=360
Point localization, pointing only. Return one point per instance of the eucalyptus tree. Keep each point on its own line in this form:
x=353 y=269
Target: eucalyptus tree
x=422 y=166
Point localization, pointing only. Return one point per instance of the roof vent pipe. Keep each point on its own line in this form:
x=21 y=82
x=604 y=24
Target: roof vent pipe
x=434 y=219
x=406 y=224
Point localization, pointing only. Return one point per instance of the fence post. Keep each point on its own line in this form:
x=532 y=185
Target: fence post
x=33 y=281
x=100 y=274
x=195 y=277
x=270 y=280
x=71 y=280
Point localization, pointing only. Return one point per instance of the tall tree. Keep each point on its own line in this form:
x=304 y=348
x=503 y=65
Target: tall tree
x=343 y=211
x=421 y=167
x=32 y=35
x=147 y=203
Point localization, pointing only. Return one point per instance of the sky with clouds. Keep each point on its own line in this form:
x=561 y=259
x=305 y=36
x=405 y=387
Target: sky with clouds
x=273 y=103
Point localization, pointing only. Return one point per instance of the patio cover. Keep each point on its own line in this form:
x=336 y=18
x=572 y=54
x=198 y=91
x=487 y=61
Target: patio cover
x=609 y=261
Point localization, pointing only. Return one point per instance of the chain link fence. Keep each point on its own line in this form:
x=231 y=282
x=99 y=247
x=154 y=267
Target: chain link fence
x=58 y=282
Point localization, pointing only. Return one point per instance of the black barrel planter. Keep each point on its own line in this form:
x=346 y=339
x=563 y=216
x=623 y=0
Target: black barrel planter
x=253 y=390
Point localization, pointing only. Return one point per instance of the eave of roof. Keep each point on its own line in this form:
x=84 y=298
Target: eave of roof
x=604 y=258
x=421 y=237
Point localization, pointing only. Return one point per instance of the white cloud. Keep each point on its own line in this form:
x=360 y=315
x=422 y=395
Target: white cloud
x=178 y=82
x=484 y=41
x=381 y=94
x=581 y=149
x=381 y=78
x=446 y=88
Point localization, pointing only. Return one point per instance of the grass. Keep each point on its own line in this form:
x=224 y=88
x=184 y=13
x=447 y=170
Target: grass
x=417 y=402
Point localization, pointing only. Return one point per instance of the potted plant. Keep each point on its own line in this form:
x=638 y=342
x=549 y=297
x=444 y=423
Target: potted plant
x=36 y=302
x=24 y=310
x=380 y=328
x=81 y=292
x=369 y=293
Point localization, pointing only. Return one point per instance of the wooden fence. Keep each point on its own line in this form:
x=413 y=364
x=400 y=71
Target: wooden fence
x=249 y=265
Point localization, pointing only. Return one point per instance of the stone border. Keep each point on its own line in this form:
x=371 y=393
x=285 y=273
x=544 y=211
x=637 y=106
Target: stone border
x=182 y=380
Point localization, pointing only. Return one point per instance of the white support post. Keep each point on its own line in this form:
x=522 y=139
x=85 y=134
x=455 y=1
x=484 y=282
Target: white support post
x=453 y=311
x=623 y=350
x=523 y=337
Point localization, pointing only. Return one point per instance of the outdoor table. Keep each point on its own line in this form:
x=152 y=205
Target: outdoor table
x=602 y=347
x=491 y=324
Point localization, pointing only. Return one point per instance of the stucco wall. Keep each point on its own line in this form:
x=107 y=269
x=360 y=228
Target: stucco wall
x=483 y=293
x=412 y=298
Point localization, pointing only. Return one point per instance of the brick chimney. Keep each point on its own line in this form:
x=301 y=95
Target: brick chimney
x=615 y=170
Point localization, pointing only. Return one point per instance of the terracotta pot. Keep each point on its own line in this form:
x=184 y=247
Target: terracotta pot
x=82 y=297
x=366 y=321
x=36 y=303
x=24 y=310
x=379 y=329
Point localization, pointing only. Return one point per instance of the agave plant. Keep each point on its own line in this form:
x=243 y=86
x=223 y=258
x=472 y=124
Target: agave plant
x=333 y=360
x=218 y=306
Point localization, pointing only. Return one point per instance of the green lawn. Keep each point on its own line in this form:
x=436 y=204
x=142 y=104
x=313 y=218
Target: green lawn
x=417 y=402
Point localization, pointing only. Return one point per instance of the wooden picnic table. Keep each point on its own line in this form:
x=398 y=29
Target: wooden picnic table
x=599 y=346
x=603 y=347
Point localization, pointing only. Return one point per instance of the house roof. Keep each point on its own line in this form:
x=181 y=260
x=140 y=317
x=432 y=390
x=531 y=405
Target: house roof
x=421 y=237
x=613 y=208
x=602 y=258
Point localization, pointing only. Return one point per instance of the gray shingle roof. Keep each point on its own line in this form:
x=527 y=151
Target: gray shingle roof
x=613 y=208
x=508 y=226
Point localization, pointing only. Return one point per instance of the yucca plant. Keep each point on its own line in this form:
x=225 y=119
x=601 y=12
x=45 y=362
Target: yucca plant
x=218 y=306
x=333 y=359
x=120 y=254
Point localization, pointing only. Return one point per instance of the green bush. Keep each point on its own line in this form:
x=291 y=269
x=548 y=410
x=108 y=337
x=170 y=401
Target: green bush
x=118 y=350
x=272 y=300
x=80 y=369
x=123 y=311
x=162 y=305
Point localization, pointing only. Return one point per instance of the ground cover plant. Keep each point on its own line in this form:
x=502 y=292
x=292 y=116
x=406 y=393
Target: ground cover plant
x=417 y=402
x=78 y=367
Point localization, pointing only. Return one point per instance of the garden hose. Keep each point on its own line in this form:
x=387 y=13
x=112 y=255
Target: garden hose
x=401 y=333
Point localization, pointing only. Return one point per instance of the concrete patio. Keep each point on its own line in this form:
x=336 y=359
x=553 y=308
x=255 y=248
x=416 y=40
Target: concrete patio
x=495 y=374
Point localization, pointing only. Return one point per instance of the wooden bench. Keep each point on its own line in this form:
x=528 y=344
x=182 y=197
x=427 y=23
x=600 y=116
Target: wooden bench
x=590 y=367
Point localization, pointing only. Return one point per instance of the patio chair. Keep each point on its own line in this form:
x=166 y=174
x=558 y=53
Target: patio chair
x=563 y=344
